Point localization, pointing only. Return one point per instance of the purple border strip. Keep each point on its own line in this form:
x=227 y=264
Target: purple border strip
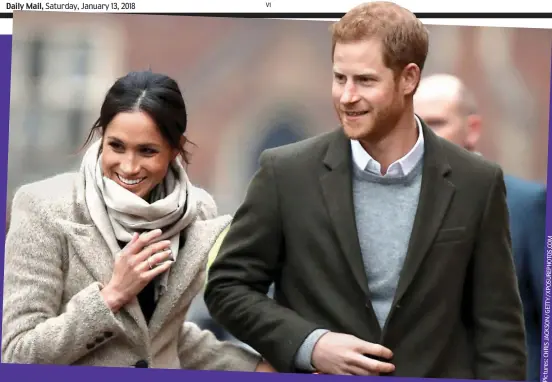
x=5 y=79
x=547 y=292
x=47 y=373
x=51 y=373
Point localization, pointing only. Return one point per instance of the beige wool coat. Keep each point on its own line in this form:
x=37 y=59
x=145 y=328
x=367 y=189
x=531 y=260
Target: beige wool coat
x=53 y=312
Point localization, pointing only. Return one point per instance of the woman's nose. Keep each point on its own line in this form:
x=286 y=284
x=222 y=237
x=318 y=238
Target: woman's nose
x=129 y=166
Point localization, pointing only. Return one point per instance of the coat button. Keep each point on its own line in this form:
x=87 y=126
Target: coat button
x=141 y=364
x=99 y=340
x=90 y=346
x=108 y=334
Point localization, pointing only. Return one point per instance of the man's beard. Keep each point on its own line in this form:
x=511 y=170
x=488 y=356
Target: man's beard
x=382 y=123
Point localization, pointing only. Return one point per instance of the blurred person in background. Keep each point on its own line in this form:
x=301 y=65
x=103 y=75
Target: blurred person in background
x=287 y=131
x=101 y=265
x=378 y=270
x=449 y=108
x=198 y=312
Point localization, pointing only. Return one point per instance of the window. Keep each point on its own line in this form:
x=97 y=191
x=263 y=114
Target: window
x=60 y=75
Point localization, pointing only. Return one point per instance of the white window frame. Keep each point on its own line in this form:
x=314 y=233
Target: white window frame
x=58 y=87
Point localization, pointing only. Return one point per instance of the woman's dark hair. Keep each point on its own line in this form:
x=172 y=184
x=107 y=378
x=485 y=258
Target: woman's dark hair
x=155 y=94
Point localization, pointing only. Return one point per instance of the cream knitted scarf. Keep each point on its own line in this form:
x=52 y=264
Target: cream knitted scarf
x=118 y=213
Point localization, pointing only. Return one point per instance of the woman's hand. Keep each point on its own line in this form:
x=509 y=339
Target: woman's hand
x=137 y=264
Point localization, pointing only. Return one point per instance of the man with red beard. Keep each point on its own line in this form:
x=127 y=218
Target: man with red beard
x=389 y=247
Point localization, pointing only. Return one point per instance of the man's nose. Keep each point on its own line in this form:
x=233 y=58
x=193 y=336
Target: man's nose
x=350 y=94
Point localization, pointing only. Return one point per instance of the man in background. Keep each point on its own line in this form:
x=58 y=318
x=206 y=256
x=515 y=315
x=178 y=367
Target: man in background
x=449 y=108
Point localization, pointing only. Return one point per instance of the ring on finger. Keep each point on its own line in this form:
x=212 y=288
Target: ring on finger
x=149 y=263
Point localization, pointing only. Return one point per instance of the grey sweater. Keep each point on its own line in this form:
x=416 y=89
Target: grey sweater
x=385 y=208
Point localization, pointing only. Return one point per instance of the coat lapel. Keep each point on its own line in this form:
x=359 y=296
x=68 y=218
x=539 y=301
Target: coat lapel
x=90 y=248
x=435 y=196
x=97 y=256
x=338 y=193
x=199 y=237
x=337 y=189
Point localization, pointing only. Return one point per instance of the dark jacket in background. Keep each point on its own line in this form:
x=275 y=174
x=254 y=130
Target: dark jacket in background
x=527 y=205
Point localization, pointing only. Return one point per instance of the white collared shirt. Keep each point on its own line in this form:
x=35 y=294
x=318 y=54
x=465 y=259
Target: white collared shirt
x=401 y=167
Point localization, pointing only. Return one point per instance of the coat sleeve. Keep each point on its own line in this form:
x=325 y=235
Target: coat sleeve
x=250 y=257
x=36 y=327
x=201 y=350
x=497 y=314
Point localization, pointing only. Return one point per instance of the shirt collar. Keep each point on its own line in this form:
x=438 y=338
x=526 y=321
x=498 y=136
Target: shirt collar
x=401 y=167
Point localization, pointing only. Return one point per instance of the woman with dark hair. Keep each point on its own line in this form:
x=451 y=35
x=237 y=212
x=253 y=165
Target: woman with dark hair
x=101 y=265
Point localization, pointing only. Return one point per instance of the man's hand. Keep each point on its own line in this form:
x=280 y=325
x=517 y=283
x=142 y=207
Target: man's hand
x=343 y=354
x=265 y=367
